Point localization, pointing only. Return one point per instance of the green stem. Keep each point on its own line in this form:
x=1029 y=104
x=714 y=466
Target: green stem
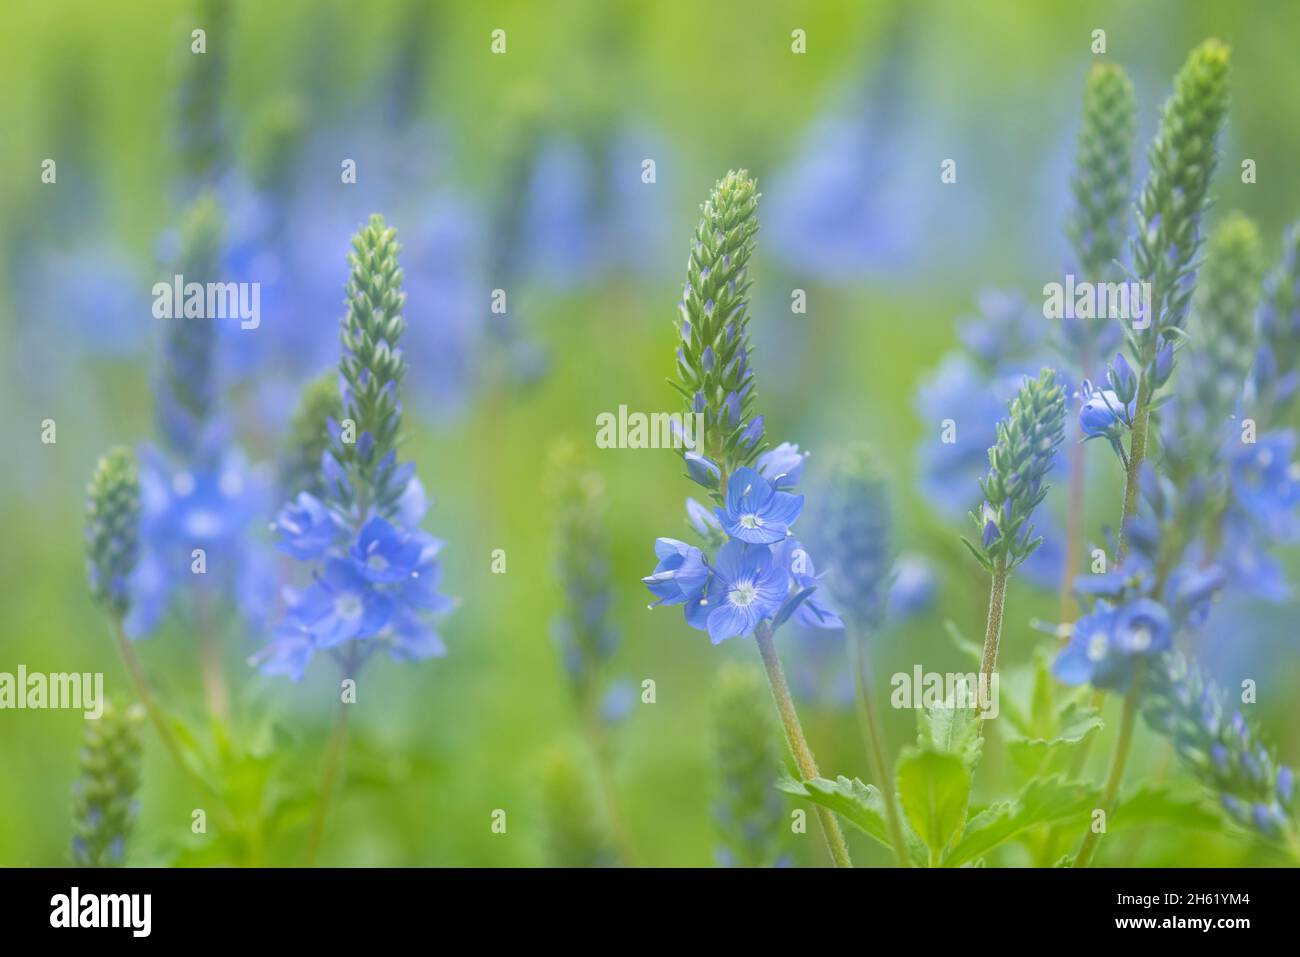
x=875 y=744
x=598 y=740
x=141 y=683
x=992 y=635
x=1117 y=762
x=803 y=756
x=1137 y=453
x=333 y=757
x=1073 y=530
x=215 y=691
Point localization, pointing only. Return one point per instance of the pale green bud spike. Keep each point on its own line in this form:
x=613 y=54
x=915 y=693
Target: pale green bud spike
x=1103 y=179
x=104 y=796
x=112 y=528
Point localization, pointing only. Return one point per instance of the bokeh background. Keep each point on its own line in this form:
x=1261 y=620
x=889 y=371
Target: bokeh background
x=523 y=171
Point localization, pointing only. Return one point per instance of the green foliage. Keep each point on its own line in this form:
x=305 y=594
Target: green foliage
x=862 y=805
x=574 y=838
x=1043 y=802
x=104 y=796
x=952 y=729
x=112 y=528
x=933 y=789
x=1103 y=177
x=749 y=813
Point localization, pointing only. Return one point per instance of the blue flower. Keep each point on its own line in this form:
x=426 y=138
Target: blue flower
x=681 y=574
x=1267 y=483
x=1102 y=411
x=747 y=586
x=813 y=610
x=1105 y=644
x=782 y=465
x=702 y=471
x=340 y=605
x=383 y=554
x=306 y=527
x=756 y=512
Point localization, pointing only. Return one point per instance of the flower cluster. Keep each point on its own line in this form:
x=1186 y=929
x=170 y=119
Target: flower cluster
x=1136 y=609
x=1276 y=371
x=1182 y=163
x=857 y=529
x=1103 y=178
x=1019 y=462
x=112 y=522
x=104 y=796
x=966 y=397
x=375 y=572
x=200 y=498
x=1221 y=749
x=760 y=571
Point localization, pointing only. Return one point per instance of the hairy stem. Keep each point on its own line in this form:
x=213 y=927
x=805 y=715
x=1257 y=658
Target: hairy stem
x=1137 y=453
x=1117 y=762
x=875 y=744
x=992 y=634
x=803 y=756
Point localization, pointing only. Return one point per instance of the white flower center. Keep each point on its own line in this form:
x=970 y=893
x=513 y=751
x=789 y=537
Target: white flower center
x=743 y=594
x=347 y=606
x=1142 y=639
x=750 y=521
x=377 y=561
x=1097 y=646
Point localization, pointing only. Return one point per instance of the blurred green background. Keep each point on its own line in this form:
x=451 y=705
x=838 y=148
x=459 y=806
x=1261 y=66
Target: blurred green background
x=437 y=746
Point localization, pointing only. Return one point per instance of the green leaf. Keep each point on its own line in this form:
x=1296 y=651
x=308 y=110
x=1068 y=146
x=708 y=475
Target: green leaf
x=972 y=649
x=1156 y=804
x=1075 y=723
x=1049 y=801
x=862 y=805
x=933 y=789
x=949 y=729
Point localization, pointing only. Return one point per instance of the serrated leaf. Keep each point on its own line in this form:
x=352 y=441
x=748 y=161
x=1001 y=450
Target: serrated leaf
x=1043 y=802
x=1075 y=723
x=933 y=789
x=949 y=729
x=862 y=805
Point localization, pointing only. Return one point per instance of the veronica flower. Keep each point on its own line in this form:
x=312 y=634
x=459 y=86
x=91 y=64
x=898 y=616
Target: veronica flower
x=755 y=511
x=748 y=589
x=376 y=573
x=1222 y=750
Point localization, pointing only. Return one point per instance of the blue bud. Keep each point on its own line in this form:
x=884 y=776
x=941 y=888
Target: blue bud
x=1122 y=379
x=702 y=471
x=1164 y=363
x=1285 y=784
